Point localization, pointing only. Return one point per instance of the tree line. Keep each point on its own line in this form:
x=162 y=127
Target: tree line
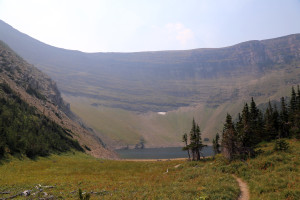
x=240 y=137
x=25 y=131
x=253 y=125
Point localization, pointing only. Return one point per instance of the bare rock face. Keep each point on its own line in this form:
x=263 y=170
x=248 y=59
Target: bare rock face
x=144 y=81
x=38 y=90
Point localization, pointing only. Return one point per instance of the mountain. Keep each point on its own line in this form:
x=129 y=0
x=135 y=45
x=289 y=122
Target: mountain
x=35 y=120
x=119 y=94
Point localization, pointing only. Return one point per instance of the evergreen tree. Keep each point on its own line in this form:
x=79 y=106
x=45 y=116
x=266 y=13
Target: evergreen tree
x=216 y=145
x=253 y=111
x=244 y=134
x=298 y=99
x=284 y=119
x=186 y=148
x=293 y=106
x=193 y=138
x=270 y=132
x=229 y=141
x=252 y=127
x=275 y=122
x=199 y=145
x=195 y=145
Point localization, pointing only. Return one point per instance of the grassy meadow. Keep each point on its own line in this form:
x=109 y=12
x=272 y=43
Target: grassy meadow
x=116 y=179
x=270 y=176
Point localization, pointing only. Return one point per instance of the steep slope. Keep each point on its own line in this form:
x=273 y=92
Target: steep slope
x=119 y=94
x=24 y=131
x=153 y=81
x=36 y=100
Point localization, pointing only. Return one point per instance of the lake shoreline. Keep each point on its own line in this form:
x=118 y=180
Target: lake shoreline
x=154 y=154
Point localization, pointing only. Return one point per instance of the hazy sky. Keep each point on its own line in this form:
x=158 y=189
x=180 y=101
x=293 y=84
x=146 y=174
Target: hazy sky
x=142 y=25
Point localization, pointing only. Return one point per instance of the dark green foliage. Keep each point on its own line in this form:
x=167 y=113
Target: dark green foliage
x=87 y=148
x=252 y=127
x=35 y=93
x=270 y=131
x=86 y=196
x=141 y=144
x=216 y=145
x=186 y=148
x=281 y=145
x=24 y=131
x=230 y=139
x=284 y=119
x=195 y=145
x=293 y=102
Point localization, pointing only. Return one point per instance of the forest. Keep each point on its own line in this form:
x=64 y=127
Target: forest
x=240 y=137
x=25 y=131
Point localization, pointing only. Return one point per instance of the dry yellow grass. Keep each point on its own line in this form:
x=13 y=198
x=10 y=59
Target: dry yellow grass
x=117 y=179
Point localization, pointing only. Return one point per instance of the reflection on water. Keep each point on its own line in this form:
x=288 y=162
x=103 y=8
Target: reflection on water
x=159 y=153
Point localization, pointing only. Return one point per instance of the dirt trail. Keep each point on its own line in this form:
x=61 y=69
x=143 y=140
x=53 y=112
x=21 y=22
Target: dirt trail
x=244 y=190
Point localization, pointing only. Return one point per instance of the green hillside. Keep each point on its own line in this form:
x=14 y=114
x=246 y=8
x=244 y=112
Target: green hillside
x=271 y=175
x=25 y=131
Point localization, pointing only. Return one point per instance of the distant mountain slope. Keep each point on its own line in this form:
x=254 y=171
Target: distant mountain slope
x=152 y=81
x=34 y=118
x=119 y=94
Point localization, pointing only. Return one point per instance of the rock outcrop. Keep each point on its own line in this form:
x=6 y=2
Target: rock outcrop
x=38 y=90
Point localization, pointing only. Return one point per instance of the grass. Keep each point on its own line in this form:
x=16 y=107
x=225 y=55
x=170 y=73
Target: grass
x=271 y=175
x=127 y=127
x=117 y=179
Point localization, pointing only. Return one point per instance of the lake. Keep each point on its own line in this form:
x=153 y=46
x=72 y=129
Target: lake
x=159 y=153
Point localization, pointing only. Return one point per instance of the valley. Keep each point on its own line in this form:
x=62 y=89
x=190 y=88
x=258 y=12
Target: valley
x=119 y=95
x=120 y=127
x=152 y=100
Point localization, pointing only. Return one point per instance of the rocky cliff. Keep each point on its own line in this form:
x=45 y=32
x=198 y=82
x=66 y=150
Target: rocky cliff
x=152 y=81
x=39 y=91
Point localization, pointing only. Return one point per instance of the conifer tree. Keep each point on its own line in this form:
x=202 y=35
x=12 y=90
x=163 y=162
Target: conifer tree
x=298 y=98
x=216 y=145
x=253 y=111
x=195 y=145
x=193 y=140
x=253 y=127
x=284 y=119
x=186 y=148
x=198 y=143
x=269 y=128
x=293 y=103
x=293 y=106
x=275 y=122
x=229 y=141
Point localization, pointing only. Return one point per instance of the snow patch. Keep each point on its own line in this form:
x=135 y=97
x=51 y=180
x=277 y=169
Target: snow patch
x=161 y=113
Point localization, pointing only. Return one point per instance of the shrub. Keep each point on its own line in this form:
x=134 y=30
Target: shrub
x=281 y=145
x=86 y=196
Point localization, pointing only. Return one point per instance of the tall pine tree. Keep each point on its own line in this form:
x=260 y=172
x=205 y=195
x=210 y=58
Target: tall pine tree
x=230 y=139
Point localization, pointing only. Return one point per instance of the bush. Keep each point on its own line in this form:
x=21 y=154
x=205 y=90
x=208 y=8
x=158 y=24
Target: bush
x=83 y=197
x=281 y=145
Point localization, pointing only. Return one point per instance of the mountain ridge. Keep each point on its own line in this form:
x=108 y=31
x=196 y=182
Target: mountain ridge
x=119 y=94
